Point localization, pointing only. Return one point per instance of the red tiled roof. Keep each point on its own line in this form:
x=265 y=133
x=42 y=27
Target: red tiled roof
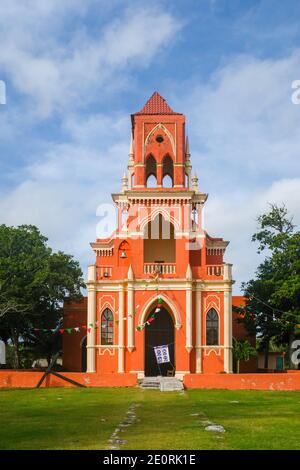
x=156 y=105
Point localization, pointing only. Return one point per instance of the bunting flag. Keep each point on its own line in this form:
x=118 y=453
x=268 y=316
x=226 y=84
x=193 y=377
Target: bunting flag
x=98 y=324
x=157 y=309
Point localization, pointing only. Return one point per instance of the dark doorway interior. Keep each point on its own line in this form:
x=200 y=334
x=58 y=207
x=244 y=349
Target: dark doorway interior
x=158 y=333
x=83 y=356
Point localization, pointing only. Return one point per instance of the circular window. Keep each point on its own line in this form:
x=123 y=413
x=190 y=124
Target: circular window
x=159 y=139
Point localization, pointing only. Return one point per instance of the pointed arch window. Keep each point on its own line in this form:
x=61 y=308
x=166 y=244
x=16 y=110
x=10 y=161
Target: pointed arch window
x=212 y=328
x=107 y=327
x=168 y=172
x=151 y=172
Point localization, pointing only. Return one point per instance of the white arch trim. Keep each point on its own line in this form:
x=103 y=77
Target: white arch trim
x=173 y=310
x=168 y=133
x=165 y=213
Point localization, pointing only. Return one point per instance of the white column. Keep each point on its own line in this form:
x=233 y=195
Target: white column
x=91 y=319
x=198 y=331
x=227 y=332
x=130 y=309
x=121 y=331
x=189 y=310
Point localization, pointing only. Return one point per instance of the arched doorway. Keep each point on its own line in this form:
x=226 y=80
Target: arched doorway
x=160 y=332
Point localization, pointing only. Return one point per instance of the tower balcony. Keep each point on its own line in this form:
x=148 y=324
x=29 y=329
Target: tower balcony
x=160 y=268
x=223 y=271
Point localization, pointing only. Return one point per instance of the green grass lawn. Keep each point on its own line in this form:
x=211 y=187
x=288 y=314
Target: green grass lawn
x=86 y=418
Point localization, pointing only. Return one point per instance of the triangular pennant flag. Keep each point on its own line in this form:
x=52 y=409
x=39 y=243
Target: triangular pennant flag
x=69 y=330
x=89 y=330
x=77 y=329
x=61 y=330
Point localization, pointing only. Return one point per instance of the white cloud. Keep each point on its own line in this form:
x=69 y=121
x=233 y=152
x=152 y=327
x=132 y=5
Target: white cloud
x=245 y=141
x=62 y=188
x=56 y=74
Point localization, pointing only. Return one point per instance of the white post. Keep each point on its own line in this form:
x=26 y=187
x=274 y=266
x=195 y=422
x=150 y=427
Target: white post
x=227 y=332
x=198 y=331
x=91 y=319
x=189 y=311
x=121 y=331
x=130 y=308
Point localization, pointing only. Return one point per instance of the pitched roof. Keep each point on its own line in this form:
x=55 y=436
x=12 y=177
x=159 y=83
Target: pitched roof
x=156 y=105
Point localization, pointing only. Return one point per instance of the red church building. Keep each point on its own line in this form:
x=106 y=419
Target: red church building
x=160 y=278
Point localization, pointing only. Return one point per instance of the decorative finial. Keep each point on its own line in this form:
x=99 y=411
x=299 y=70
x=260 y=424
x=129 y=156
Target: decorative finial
x=187 y=148
x=195 y=183
x=124 y=182
x=189 y=274
x=130 y=274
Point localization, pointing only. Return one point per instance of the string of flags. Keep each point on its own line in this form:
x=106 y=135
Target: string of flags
x=274 y=309
x=157 y=309
x=104 y=323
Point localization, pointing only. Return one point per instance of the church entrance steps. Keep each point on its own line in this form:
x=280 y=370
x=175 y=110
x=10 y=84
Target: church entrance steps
x=164 y=384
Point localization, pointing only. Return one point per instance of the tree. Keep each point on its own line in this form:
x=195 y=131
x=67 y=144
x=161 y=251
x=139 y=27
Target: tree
x=34 y=282
x=242 y=350
x=273 y=297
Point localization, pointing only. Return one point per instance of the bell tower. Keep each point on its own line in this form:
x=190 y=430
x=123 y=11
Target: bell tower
x=159 y=270
x=157 y=156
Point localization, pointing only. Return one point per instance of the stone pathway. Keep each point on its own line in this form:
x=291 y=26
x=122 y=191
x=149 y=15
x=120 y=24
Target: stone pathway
x=209 y=425
x=115 y=441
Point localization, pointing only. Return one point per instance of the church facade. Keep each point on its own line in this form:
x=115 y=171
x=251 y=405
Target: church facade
x=159 y=279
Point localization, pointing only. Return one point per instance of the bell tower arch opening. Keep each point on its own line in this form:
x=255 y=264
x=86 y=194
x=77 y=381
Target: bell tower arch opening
x=159 y=241
x=151 y=172
x=168 y=172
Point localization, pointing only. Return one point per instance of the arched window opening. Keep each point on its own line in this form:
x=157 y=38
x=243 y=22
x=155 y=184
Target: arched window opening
x=187 y=180
x=159 y=241
x=212 y=328
x=151 y=181
x=151 y=172
x=132 y=180
x=167 y=182
x=168 y=172
x=107 y=327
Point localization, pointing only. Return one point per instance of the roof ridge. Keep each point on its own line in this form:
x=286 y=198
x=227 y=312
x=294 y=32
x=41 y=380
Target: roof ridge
x=156 y=104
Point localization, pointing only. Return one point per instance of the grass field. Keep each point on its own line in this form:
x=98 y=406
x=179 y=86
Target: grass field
x=86 y=419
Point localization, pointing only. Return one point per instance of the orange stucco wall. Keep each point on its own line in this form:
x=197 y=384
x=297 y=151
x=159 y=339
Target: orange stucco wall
x=26 y=379
x=284 y=381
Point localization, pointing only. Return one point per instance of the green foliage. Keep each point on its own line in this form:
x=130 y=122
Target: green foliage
x=242 y=350
x=273 y=297
x=34 y=281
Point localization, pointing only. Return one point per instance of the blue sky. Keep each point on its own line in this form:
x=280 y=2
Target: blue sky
x=75 y=71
